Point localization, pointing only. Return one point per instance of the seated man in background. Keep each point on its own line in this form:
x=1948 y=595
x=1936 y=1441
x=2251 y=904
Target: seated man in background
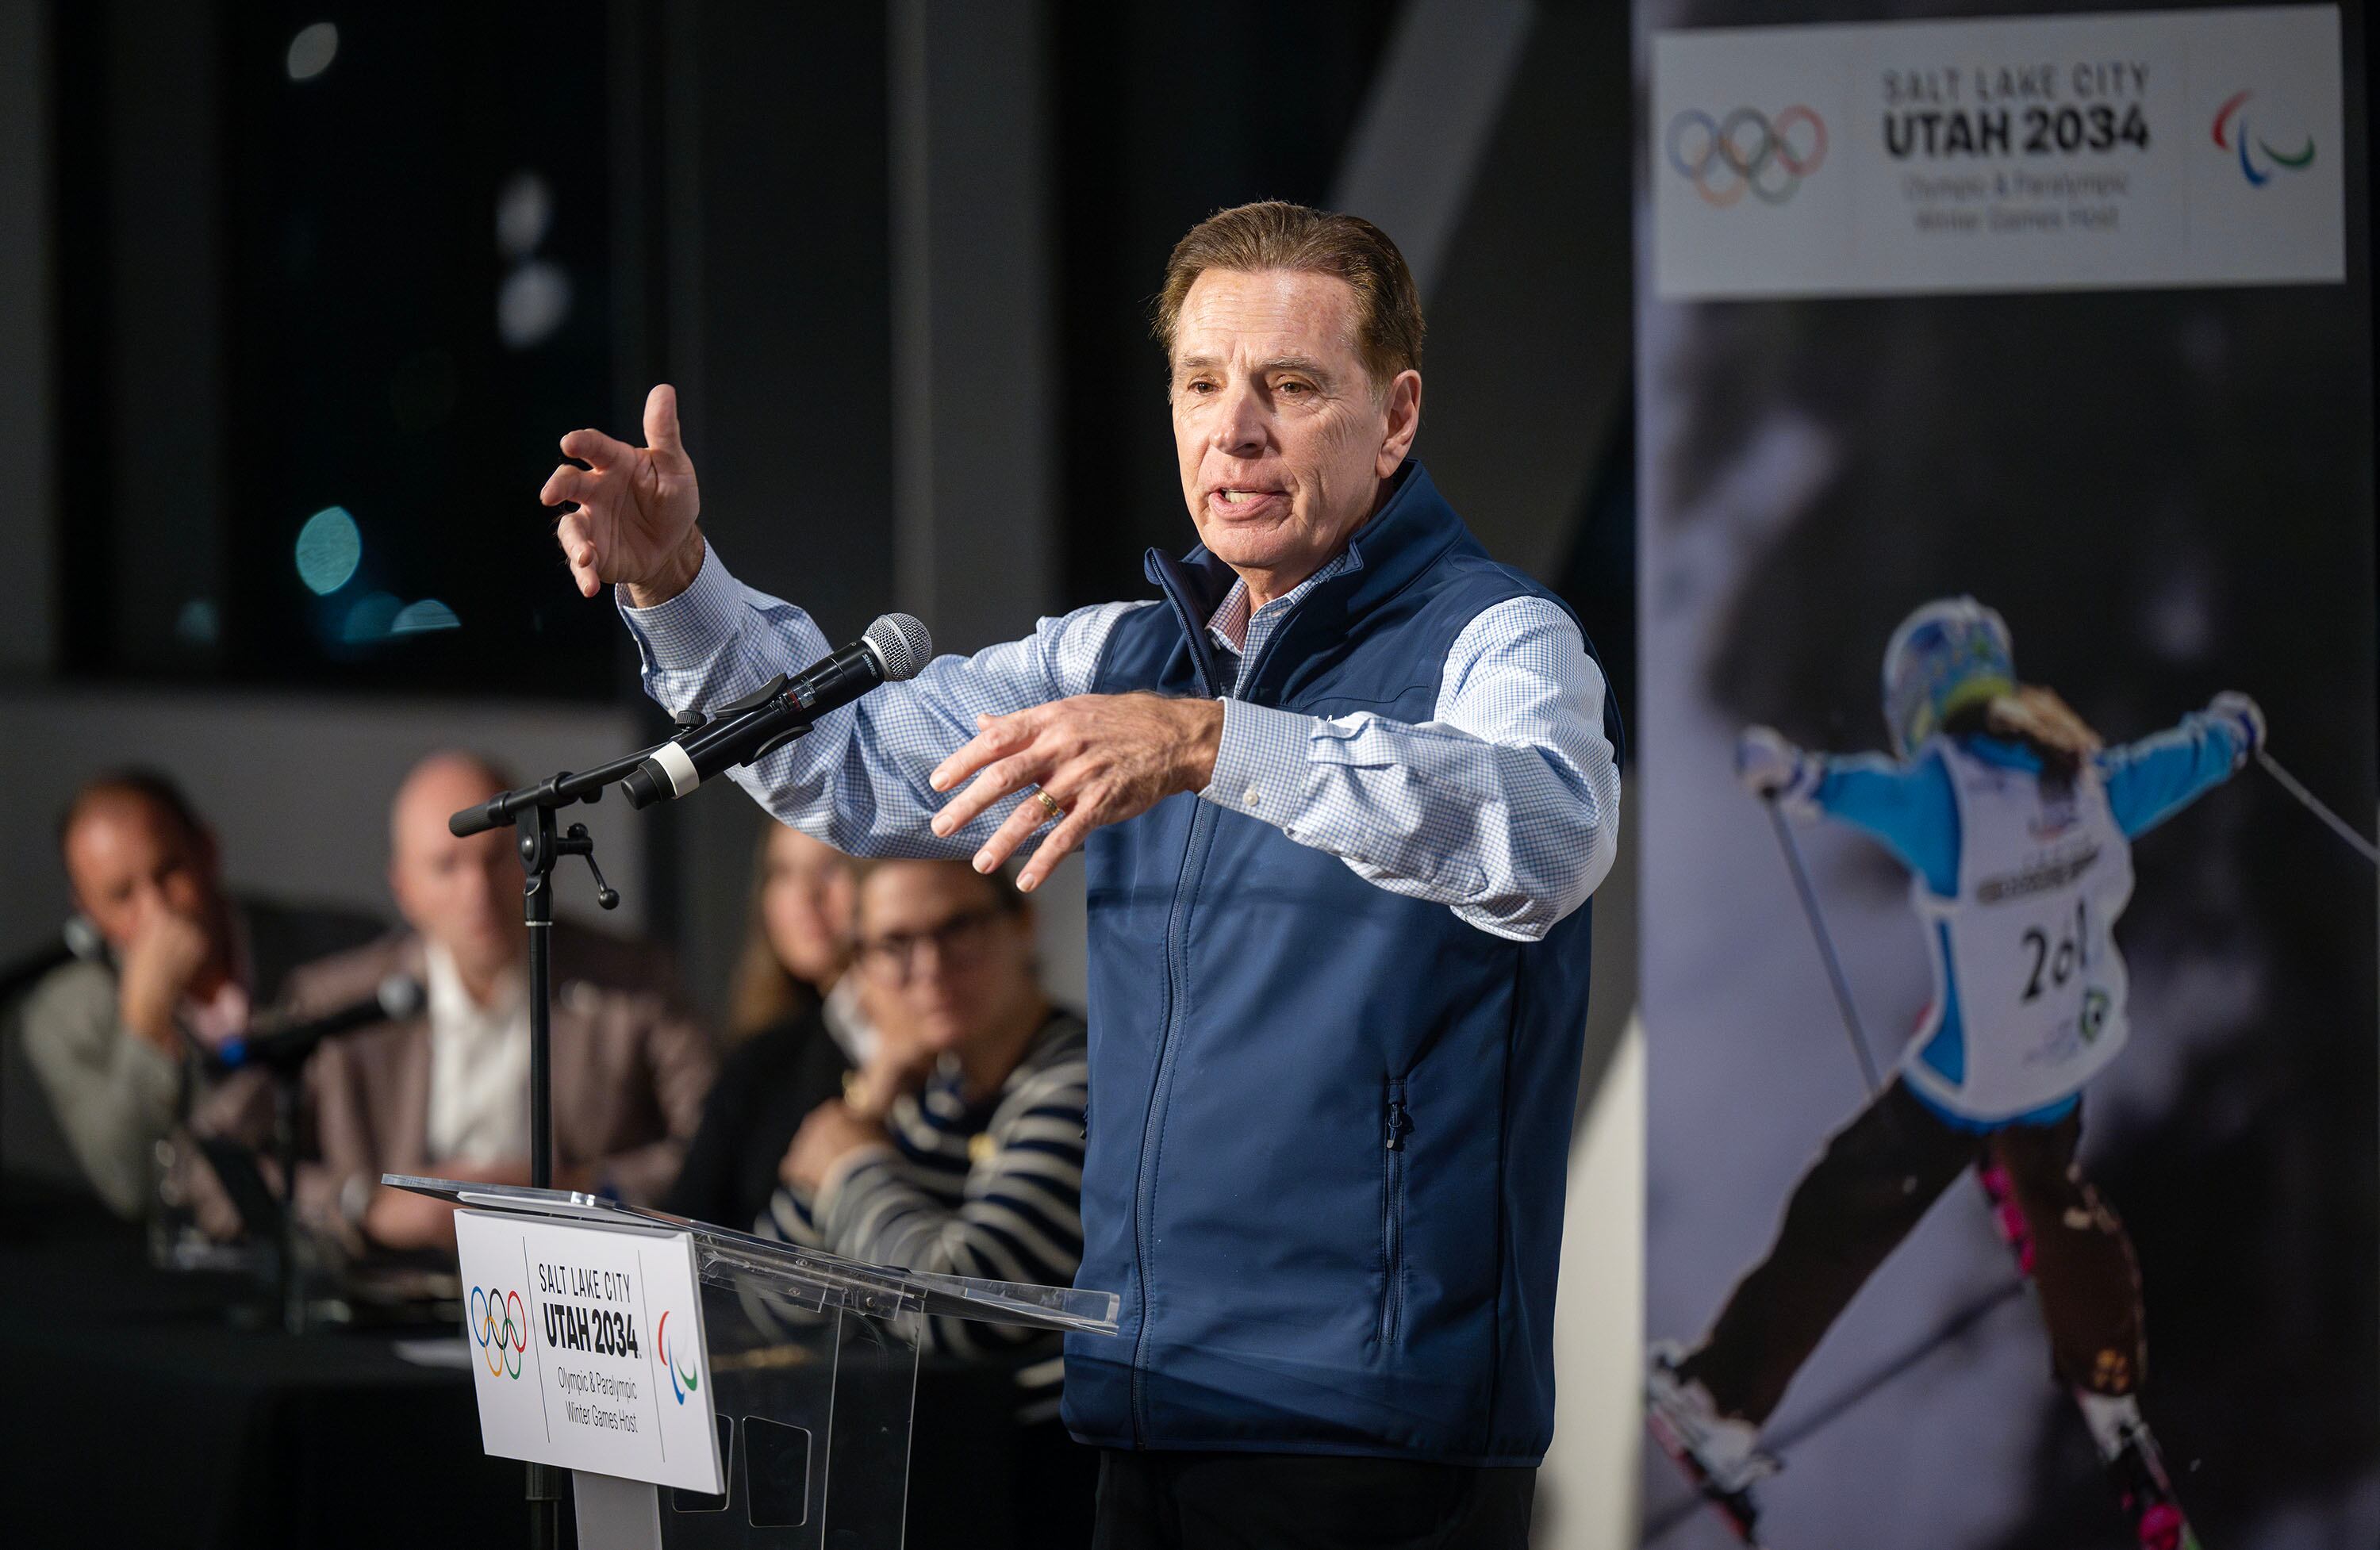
x=105 y=1041
x=446 y=1093
x=798 y=1035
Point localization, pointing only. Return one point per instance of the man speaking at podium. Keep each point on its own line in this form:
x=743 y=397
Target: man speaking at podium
x=1342 y=795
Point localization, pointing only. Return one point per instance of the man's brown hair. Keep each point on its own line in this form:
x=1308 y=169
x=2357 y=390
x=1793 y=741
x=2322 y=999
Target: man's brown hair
x=999 y=884
x=143 y=784
x=1274 y=233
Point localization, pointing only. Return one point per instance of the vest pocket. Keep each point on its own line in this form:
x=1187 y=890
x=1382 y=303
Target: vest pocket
x=1396 y=1124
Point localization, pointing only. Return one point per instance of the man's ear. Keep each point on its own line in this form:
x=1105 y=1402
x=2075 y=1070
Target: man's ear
x=1403 y=412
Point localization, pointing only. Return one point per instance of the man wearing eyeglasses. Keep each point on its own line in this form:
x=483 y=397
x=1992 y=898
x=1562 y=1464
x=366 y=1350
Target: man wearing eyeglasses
x=1342 y=796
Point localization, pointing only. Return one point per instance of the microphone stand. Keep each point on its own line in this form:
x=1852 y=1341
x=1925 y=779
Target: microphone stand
x=530 y=811
x=285 y=1059
x=287 y=1083
x=288 y=1074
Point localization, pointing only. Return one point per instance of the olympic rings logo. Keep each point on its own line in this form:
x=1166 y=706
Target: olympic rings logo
x=499 y=1325
x=1745 y=150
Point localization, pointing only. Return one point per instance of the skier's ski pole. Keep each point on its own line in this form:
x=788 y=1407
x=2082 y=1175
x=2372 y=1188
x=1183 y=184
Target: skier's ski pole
x=2314 y=805
x=1835 y=975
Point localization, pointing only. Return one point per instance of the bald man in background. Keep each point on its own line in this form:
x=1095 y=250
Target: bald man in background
x=446 y=1092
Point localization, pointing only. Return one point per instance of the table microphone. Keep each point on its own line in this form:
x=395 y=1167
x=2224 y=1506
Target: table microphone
x=289 y=1044
x=894 y=648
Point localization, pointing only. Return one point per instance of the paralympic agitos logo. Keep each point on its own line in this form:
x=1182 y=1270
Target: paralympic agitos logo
x=500 y=1328
x=1722 y=157
x=2231 y=133
x=682 y=1382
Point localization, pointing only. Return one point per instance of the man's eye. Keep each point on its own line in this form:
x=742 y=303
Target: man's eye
x=1293 y=387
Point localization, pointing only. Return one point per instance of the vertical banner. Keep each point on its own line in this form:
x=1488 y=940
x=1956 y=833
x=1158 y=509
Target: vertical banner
x=2012 y=1017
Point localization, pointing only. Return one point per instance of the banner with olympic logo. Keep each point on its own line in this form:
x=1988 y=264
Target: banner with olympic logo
x=2127 y=149
x=587 y=1349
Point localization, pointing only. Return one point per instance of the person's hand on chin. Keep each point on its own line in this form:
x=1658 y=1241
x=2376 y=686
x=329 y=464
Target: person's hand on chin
x=830 y=1135
x=160 y=964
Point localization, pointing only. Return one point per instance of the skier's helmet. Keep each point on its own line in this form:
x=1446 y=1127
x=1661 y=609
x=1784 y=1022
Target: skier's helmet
x=1950 y=653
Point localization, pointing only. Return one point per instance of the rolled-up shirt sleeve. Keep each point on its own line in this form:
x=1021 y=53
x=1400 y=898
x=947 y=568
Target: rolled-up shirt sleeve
x=1505 y=806
x=857 y=781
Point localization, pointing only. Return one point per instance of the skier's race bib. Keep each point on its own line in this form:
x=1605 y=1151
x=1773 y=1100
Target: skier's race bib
x=2025 y=954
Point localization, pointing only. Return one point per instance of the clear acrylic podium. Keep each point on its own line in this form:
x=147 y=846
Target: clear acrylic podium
x=814 y=1369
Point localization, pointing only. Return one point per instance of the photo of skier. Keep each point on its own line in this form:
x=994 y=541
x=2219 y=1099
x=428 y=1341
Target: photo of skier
x=1878 y=1271
x=2015 y=826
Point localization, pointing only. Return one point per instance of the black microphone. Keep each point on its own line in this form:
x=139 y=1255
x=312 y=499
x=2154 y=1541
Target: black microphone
x=892 y=650
x=287 y=1045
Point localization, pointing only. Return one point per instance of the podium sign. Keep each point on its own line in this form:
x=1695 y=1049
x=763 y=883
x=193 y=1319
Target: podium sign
x=588 y=1347
x=771 y=1387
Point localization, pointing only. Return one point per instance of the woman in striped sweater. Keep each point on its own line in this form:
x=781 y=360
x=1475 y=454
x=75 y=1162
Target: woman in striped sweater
x=974 y=1167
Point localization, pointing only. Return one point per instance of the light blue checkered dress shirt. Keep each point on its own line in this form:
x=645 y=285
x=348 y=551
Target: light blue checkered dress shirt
x=1505 y=806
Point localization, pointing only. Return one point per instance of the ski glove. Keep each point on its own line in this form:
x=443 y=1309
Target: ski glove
x=1766 y=764
x=2234 y=706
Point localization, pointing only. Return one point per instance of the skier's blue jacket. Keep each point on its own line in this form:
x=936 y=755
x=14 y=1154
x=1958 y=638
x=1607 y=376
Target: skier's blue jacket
x=1911 y=809
x=1328 y=1126
x=1908 y=806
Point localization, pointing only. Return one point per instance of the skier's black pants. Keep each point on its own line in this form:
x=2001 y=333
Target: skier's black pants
x=1875 y=1180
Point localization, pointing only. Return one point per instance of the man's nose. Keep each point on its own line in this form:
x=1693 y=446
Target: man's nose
x=1243 y=422
x=926 y=961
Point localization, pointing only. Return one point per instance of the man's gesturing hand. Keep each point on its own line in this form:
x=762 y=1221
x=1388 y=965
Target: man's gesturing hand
x=1104 y=759
x=636 y=506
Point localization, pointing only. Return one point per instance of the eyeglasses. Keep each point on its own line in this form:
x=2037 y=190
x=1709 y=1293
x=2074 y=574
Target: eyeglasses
x=958 y=943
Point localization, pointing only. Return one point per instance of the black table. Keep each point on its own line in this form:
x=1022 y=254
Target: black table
x=145 y=1412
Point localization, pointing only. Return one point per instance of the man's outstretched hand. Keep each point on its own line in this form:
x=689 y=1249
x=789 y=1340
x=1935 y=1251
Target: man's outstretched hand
x=636 y=508
x=1102 y=758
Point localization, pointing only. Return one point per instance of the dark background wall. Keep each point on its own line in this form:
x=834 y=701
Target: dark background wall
x=898 y=262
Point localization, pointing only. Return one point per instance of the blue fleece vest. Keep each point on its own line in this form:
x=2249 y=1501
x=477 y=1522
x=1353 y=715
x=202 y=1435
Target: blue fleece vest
x=1330 y=1127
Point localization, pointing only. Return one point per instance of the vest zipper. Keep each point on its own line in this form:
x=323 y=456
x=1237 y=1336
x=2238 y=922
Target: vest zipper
x=1392 y=1216
x=1177 y=970
x=1202 y=826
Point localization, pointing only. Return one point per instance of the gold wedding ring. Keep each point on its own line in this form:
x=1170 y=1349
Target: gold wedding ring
x=1049 y=805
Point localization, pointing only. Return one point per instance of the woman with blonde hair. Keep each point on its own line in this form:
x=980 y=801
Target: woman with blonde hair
x=796 y=1029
